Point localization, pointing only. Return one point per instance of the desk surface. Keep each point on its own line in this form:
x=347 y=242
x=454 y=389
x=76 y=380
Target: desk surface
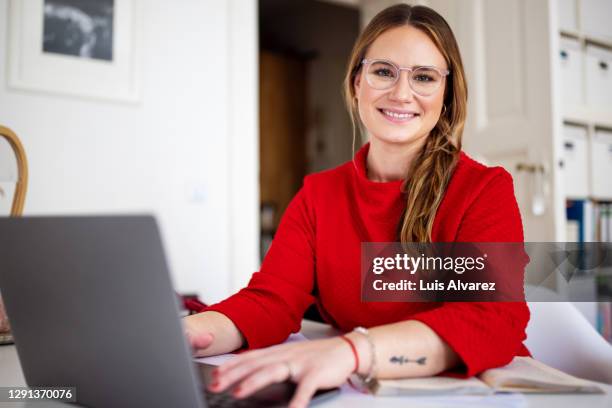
x=11 y=375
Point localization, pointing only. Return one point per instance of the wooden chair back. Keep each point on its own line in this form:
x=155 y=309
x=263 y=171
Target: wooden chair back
x=21 y=184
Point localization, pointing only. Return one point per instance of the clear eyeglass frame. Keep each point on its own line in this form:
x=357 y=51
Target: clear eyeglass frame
x=398 y=70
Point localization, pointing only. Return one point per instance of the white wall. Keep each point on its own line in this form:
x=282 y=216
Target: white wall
x=174 y=154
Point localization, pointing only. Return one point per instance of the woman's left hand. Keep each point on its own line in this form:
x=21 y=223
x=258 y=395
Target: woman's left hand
x=4 y=323
x=310 y=364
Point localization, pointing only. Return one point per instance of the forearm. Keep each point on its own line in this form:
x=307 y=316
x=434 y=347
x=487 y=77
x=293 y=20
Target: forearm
x=405 y=349
x=226 y=336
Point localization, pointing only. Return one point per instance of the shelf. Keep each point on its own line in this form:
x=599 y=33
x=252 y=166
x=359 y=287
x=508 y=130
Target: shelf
x=570 y=34
x=593 y=199
x=586 y=38
x=583 y=115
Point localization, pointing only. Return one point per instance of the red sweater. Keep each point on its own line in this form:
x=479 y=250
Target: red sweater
x=315 y=257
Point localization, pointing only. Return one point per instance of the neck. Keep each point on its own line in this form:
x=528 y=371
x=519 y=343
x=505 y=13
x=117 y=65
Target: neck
x=391 y=162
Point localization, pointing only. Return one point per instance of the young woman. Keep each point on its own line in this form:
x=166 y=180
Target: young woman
x=406 y=86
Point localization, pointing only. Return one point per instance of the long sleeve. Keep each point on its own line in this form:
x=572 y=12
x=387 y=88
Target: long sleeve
x=485 y=334
x=273 y=304
x=317 y=245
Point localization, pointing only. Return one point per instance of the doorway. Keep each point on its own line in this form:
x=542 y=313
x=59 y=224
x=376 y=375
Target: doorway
x=304 y=46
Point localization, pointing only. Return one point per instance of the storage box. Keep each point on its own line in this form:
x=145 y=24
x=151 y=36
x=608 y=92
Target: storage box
x=575 y=159
x=570 y=59
x=567 y=18
x=598 y=67
x=601 y=165
x=595 y=18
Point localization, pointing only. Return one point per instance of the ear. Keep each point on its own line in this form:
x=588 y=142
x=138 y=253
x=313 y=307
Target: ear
x=357 y=83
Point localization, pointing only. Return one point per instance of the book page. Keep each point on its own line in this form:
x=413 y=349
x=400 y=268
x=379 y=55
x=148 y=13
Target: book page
x=524 y=374
x=431 y=385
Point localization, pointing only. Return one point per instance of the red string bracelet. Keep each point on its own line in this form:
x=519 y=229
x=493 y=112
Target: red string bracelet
x=354 y=350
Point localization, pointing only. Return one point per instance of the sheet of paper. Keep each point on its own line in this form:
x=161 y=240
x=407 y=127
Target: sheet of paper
x=220 y=359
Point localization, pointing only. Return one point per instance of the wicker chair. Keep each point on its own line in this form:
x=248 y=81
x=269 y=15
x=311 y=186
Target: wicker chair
x=21 y=184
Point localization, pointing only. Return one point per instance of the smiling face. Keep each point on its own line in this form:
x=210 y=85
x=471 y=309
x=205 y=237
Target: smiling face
x=398 y=115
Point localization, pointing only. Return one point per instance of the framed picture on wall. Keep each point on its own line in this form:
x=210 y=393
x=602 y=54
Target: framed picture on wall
x=81 y=48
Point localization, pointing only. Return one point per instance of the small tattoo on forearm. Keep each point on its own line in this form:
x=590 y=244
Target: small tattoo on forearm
x=405 y=360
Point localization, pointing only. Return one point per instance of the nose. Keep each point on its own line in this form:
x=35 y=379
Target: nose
x=402 y=91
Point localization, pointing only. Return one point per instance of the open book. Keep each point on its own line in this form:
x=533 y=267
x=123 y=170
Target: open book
x=523 y=374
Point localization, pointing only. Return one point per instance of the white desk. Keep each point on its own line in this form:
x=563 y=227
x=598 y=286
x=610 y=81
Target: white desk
x=11 y=375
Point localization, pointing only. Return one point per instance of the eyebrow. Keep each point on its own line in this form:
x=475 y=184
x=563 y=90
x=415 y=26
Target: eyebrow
x=427 y=66
x=413 y=66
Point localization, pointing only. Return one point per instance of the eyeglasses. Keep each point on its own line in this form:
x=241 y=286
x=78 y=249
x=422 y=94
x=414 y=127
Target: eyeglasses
x=383 y=74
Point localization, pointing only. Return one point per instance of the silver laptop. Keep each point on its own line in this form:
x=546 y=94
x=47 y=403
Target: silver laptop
x=91 y=306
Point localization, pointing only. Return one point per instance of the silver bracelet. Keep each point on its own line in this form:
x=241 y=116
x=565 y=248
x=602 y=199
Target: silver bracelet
x=372 y=370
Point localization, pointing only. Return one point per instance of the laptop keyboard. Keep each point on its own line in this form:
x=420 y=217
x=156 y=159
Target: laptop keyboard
x=225 y=400
x=275 y=395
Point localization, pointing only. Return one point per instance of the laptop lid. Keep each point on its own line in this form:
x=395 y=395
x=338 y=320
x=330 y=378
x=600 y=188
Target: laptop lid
x=92 y=306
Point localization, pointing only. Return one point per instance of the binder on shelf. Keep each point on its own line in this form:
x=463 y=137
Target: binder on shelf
x=588 y=221
x=572 y=231
x=581 y=212
x=604 y=320
x=604 y=234
x=605 y=222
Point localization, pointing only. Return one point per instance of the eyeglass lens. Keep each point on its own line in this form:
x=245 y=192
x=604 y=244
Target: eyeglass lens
x=383 y=75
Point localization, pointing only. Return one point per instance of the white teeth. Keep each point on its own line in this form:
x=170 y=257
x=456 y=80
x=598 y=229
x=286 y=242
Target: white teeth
x=398 y=115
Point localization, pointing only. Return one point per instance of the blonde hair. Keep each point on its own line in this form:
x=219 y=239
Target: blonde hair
x=430 y=173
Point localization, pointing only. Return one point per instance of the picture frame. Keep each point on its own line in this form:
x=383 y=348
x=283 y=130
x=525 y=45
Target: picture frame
x=114 y=76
